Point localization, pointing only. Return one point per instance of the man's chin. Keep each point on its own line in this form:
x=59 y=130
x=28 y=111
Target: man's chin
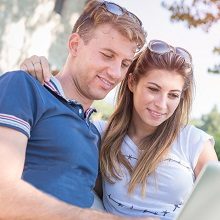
x=101 y=96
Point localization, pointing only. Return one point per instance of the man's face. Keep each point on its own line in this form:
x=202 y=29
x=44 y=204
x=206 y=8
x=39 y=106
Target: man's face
x=101 y=63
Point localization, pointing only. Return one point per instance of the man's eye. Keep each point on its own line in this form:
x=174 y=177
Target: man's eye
x=153 y=89
x=107 y=55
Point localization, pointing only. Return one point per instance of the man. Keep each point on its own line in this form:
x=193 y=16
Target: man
x=48 y=147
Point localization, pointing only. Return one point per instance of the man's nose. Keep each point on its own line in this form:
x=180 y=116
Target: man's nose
x=115 y=71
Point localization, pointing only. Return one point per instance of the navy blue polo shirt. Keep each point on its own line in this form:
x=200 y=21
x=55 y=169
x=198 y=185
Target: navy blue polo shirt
x=62 y=153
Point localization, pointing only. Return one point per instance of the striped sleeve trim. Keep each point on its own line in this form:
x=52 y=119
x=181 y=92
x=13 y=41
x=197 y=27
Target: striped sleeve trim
x=15 y=122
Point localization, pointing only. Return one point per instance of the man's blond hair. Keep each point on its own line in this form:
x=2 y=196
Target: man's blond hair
x=95 y=14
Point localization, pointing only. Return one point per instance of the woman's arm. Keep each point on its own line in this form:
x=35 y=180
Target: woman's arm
x=37 y=66
x=208 y=154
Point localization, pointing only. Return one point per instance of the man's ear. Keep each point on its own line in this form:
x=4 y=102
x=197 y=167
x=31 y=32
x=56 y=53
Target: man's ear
x=131 y=82
x=74 y=43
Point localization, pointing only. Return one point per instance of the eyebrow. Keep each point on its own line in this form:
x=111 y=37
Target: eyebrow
x=173 y=90
x=112 y=51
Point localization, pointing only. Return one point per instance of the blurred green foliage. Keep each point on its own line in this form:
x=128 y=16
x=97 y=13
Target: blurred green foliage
x=104 y=110
x=210 y=123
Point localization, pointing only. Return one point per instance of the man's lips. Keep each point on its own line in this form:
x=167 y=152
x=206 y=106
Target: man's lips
x=106 y=83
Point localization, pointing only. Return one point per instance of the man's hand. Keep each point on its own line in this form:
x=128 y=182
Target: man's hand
x=38 y=67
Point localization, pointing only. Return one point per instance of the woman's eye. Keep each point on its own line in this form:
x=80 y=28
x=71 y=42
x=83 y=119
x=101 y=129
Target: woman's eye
x=174 y=96
x=125 y=65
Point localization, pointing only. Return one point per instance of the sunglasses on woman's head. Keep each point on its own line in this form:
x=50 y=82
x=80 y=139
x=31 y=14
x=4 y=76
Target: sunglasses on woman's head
x=161 y=47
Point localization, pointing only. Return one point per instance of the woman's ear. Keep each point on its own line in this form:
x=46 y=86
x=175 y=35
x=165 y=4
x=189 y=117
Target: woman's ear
x=74 y=43
x=131 y=82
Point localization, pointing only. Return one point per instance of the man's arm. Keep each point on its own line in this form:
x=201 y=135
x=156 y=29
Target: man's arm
x=20 y=200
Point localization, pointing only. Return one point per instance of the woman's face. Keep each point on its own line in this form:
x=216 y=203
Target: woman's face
x=155 y=96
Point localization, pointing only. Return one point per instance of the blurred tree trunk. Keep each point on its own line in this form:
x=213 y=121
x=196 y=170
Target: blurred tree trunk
x=34 y=27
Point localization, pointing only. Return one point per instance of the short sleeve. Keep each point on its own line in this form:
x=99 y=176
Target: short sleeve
x=20 y=101
x=195 y=142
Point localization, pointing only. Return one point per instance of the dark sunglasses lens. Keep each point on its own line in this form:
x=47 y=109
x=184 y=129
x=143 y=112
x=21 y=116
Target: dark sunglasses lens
x=160 y=47
x=114 y=9
x=118 y=10
x=183 y=53
x=135 y=17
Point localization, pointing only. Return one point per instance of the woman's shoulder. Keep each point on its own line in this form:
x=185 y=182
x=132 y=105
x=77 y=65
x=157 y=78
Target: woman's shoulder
x=192 y=139
x=192 y=133
x=190 y=143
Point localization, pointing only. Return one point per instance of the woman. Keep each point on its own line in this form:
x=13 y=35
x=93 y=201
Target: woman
x=150 y=156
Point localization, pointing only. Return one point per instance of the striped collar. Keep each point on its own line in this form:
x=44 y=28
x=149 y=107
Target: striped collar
x=56 y=87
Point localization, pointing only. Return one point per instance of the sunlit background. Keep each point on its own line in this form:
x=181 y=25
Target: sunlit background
x=42 y=27
x=156 y=20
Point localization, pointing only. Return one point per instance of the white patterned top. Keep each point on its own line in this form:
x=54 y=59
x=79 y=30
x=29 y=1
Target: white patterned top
x=168 y=188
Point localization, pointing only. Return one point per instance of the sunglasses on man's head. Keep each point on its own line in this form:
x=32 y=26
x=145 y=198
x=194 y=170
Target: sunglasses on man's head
x=161 y=47
x=114 y=9
x=118 y=10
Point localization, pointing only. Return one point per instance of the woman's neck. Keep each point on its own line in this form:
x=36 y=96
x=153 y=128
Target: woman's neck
x=138 y=131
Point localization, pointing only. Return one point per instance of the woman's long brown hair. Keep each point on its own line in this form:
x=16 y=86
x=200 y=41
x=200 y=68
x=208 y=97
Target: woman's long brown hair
x=158 y=143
